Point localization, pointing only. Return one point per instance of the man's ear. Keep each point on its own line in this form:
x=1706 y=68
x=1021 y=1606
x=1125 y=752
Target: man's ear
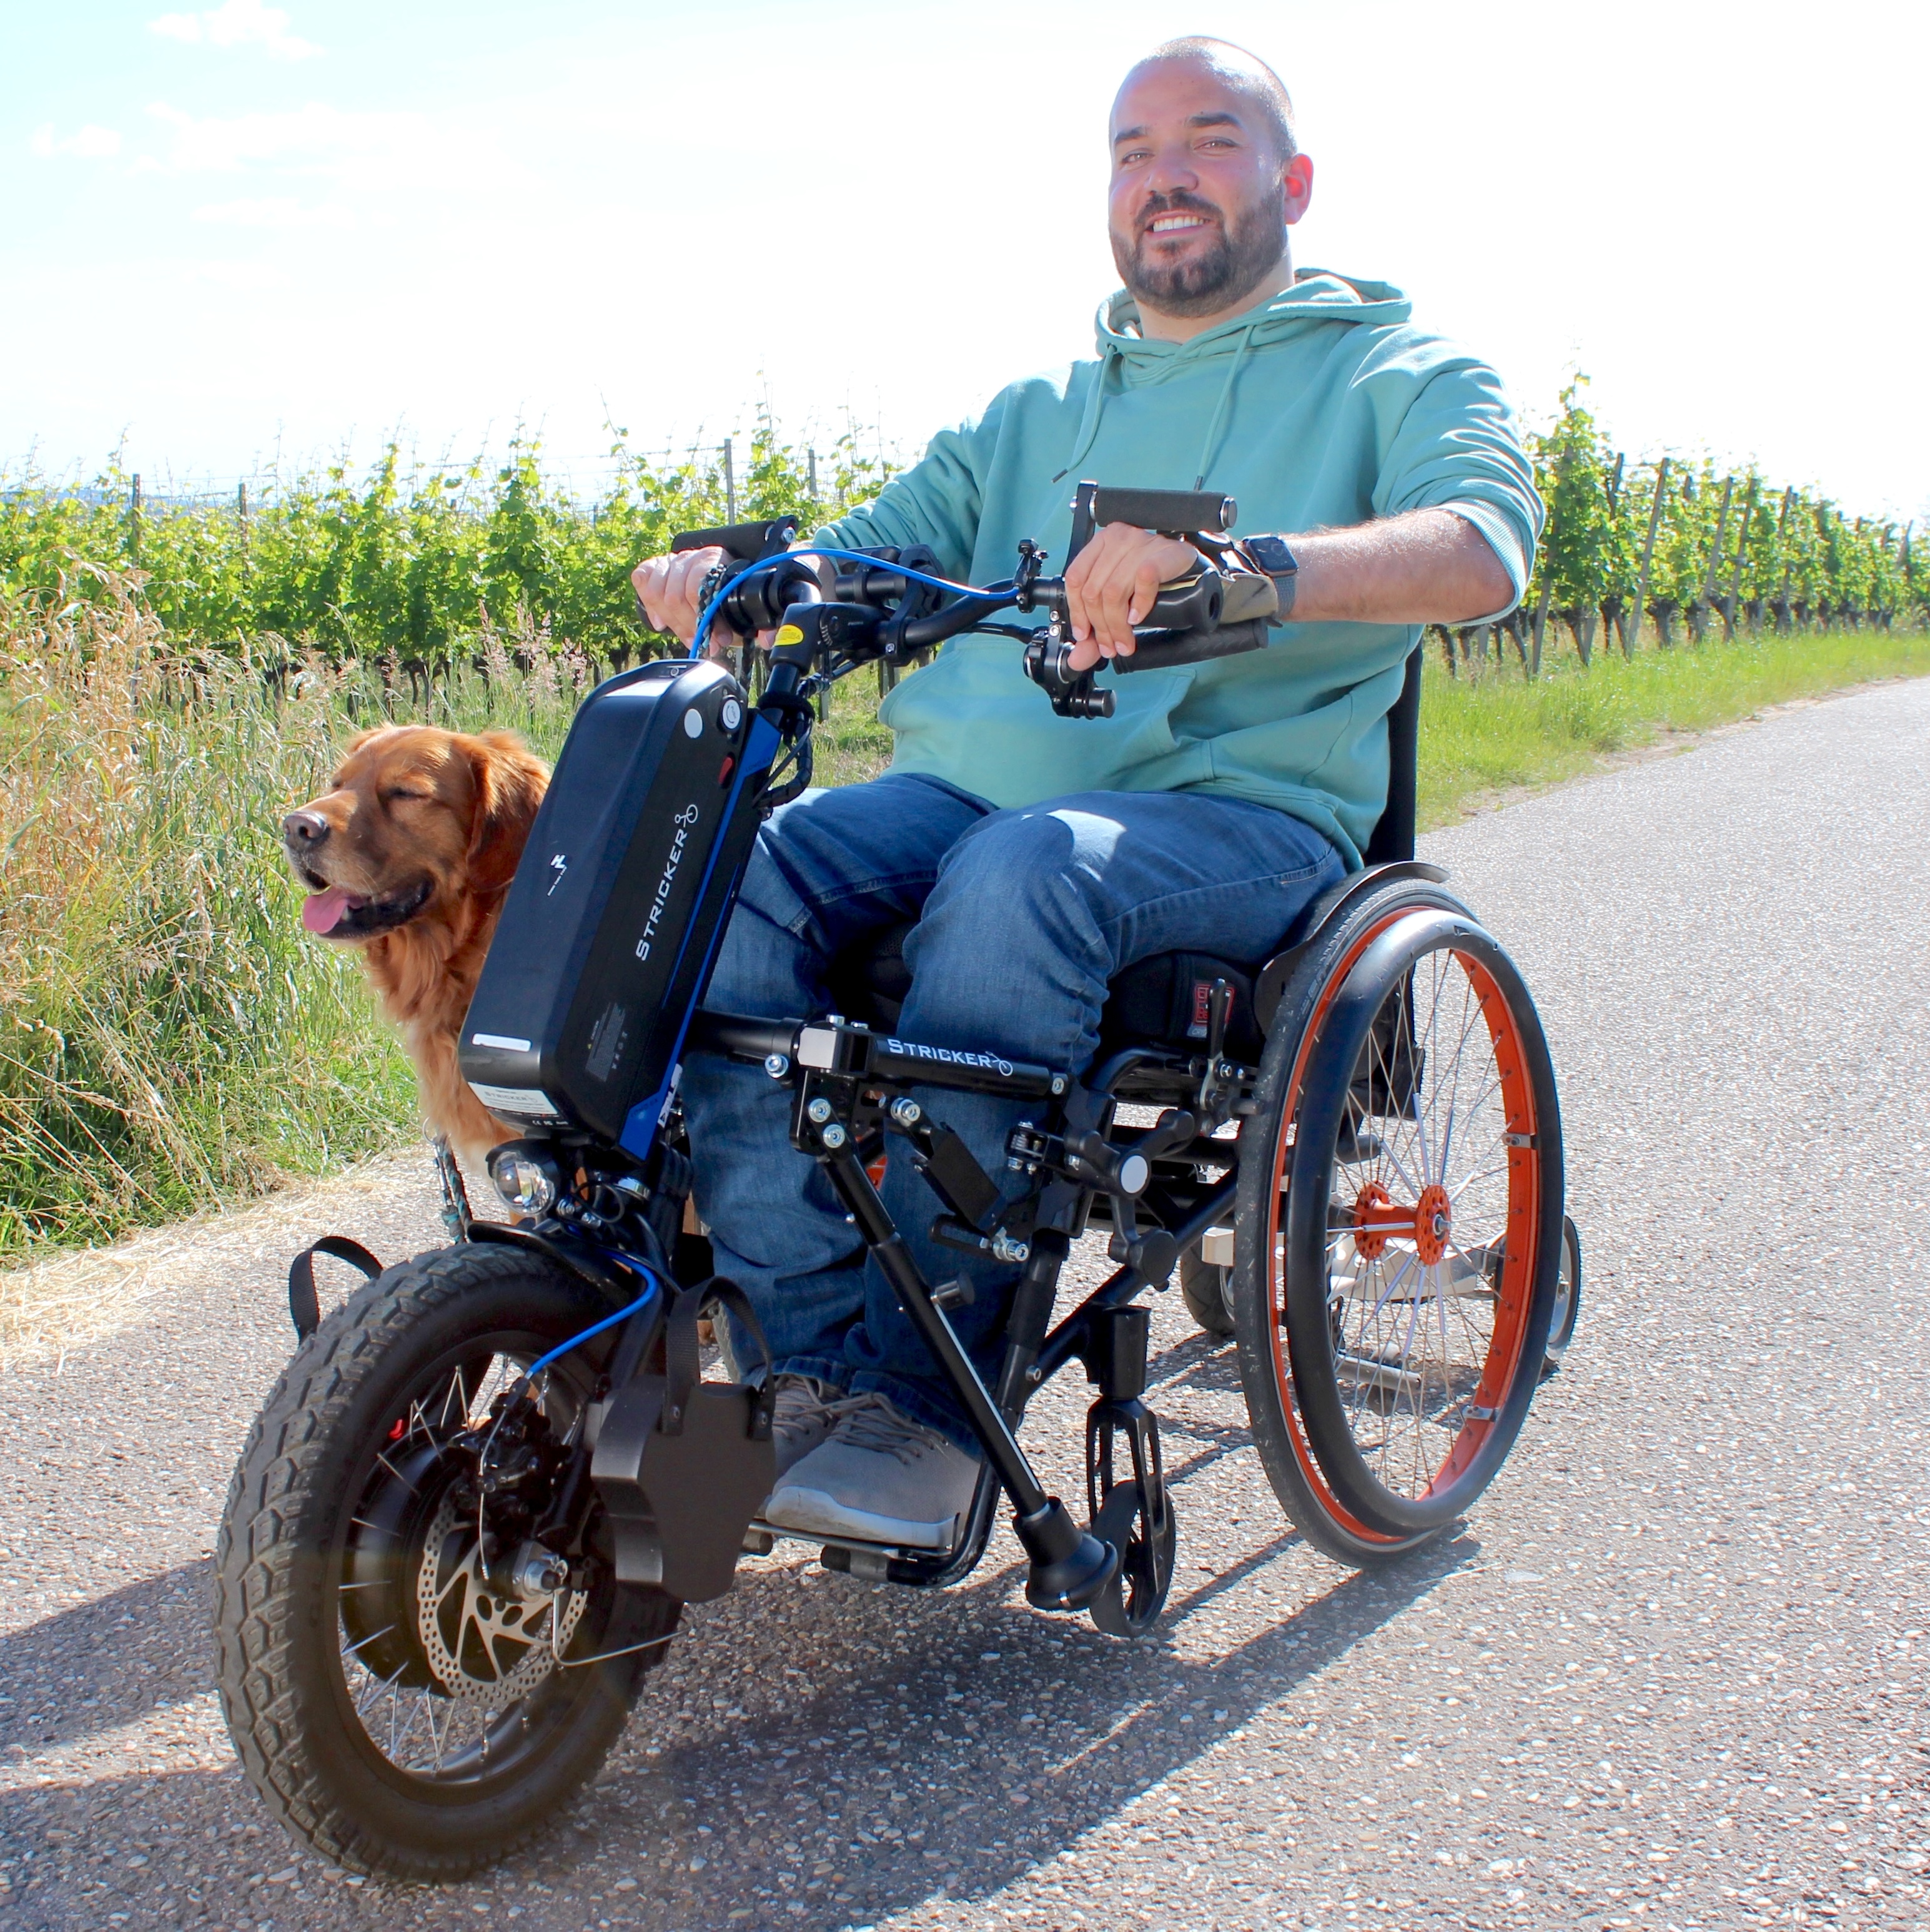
x=510 y=784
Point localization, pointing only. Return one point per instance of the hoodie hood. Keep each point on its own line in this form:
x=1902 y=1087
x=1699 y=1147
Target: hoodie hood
x=1317 y=296
x=1128 y=358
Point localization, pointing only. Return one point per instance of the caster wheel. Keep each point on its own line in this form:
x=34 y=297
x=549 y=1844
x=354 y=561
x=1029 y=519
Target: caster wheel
x=1203 y=1288
x=1130 y=1604
x=1568 y=1299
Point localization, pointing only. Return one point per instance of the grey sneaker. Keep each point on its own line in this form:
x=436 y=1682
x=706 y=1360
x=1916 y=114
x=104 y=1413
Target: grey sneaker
x=805 y=1412
x=879 y=1477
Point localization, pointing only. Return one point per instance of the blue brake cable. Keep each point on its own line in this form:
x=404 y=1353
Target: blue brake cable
x=710 y=609
x=527 y=1380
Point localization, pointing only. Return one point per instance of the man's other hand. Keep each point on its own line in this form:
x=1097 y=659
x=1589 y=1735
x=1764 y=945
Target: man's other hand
x=669 y=588
x=1111 y=585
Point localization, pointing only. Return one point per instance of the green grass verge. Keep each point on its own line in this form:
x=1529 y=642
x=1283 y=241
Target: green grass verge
x=171 y=1039
x=1498 y=731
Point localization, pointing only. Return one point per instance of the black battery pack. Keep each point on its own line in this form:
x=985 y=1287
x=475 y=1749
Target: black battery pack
x=613 y=920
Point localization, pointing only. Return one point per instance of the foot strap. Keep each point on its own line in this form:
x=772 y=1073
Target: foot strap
x=304 y=1308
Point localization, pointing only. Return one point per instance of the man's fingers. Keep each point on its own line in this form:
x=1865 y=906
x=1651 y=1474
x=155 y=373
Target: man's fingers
x=1113 y=628
x=648 y=579
x=1146 y=582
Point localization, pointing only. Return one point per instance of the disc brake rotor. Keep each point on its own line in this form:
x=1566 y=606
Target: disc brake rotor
x=485 y=1646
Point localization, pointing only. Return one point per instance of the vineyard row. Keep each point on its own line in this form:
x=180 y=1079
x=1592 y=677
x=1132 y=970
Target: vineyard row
x=416 y=567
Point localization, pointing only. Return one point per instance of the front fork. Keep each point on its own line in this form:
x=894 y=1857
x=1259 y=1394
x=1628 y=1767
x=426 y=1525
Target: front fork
x=1115 y=1360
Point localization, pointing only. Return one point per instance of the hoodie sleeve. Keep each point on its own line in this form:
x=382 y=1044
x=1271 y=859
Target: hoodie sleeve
x=1455 y=446
x=938 y=501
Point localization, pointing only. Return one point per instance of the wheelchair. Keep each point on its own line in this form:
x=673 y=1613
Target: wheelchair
x=467 y=1520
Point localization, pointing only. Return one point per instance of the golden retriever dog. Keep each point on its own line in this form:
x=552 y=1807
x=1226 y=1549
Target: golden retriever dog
x=408 y=855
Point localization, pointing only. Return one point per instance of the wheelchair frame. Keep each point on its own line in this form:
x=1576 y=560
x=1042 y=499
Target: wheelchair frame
x=372 y=1512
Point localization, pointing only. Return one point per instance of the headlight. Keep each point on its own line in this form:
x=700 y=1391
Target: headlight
x=525 y=1176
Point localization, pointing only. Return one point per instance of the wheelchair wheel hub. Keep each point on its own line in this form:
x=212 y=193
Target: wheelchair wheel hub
x=1378 y=1219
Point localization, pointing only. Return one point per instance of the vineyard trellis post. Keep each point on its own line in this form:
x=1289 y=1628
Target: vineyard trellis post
x=729 y=484
x=1611 y=602
x=134 y=518
x=811 y=457
x=1632 y=635
x=1707 y=595
x=1736 y=575
x=1784 y=622
x=1540 y=623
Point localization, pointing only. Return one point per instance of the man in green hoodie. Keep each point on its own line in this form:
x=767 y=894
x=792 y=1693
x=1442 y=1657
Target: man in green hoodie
x=1041 y=856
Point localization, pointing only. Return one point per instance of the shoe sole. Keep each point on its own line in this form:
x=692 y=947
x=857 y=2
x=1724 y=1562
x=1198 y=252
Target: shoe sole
x=812 y=1513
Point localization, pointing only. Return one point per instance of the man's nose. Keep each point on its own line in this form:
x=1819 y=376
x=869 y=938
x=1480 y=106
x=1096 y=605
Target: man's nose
x=305 y=830
x=1173 y=169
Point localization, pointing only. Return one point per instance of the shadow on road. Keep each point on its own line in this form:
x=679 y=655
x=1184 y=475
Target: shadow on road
x=914 y=1787
x=98 y=1664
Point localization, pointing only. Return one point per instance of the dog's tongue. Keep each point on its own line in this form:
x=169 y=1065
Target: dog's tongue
x=322 y=912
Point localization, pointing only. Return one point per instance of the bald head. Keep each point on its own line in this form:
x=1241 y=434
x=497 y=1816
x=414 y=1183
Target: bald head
x=1207 y=178
x=1241 y=73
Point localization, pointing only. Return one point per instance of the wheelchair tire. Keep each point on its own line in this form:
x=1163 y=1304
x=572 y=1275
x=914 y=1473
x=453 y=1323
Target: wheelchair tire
x=392 y=1706
x=1205 y=1287
x=1373 y=1447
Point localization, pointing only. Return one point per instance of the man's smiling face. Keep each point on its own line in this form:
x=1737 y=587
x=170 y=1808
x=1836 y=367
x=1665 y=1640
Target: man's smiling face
x=1201 y=193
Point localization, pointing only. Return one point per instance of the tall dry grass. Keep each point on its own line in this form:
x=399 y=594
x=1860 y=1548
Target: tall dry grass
x=169 y=1037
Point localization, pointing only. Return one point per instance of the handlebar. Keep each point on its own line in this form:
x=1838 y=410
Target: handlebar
x=891 y=605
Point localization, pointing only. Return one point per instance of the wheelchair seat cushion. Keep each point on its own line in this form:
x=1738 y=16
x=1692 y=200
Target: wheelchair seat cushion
x=1161 y=1000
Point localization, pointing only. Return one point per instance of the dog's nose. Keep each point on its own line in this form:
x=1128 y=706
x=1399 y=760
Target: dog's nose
x=304 y=830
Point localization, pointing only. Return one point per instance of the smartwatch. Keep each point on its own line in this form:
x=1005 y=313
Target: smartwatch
x=1270 y=556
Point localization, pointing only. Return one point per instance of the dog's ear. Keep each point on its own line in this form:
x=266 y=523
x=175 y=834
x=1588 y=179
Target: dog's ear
x=509 y=783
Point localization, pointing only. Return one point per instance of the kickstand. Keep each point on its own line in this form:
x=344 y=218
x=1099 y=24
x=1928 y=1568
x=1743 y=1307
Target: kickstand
x=456 y=1215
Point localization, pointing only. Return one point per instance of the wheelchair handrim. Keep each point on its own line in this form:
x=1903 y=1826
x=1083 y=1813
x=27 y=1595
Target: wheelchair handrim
x=1273 y=1257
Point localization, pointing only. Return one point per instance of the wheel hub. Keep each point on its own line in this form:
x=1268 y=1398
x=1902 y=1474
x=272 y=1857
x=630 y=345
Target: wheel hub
x=1434 y=1223
x=1378 y=1219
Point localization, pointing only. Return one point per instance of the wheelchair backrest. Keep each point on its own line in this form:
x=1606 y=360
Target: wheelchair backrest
x=1393 y=839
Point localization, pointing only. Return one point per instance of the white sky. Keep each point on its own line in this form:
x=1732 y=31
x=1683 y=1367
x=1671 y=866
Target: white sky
x=235 y=228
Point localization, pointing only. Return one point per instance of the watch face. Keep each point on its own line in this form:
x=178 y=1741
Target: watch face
x=1272 y=556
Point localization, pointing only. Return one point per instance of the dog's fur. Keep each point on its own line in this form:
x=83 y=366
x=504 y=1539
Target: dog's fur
x=423 y=828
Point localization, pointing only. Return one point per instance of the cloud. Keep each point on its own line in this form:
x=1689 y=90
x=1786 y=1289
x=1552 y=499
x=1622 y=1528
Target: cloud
x=237 y=23
x=274 y=212
x=314 y=140
x=90 y=142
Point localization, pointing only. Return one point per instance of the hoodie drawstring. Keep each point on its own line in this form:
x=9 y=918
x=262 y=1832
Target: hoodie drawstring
x=1220 y=409
x=1095 y=407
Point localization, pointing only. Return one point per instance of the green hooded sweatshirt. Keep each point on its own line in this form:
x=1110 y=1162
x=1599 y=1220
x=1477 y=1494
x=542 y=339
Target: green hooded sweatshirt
x=1323 y=406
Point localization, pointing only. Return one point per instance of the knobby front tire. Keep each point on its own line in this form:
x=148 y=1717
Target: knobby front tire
x=395 y=1709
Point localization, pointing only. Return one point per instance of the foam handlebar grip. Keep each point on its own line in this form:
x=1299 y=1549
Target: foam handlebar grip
x=1185 y=647
x=1183 y=511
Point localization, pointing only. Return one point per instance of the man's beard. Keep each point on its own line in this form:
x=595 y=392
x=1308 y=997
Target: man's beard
x=1248 y=248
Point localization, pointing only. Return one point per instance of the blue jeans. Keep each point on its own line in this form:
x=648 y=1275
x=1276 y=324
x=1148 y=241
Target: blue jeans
x=1023 y=916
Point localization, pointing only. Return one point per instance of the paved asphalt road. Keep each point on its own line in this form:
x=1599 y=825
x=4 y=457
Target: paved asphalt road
x=1671 y=1674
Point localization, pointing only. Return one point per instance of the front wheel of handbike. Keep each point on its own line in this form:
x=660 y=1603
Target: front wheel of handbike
x=1399 y=1229
x=397 y=1704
